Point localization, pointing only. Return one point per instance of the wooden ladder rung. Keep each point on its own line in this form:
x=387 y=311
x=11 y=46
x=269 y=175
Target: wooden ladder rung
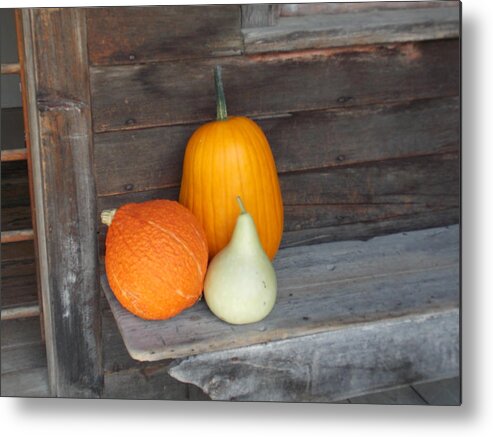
x=11 y=68
x=14 y=155
x=20 y=312
x=14 y=236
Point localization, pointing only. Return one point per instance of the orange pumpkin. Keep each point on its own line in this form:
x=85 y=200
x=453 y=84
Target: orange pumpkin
x=156 y=257
x=224 y=159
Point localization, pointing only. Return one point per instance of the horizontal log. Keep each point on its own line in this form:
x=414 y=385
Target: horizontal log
x=376 y=26
x=133 y=35
x=14 y=155
x=19 y=312
x=10 y=68
x=137 y=96
x=320 y=288
x=146 y=159
x=18 y=235
x=331 y=366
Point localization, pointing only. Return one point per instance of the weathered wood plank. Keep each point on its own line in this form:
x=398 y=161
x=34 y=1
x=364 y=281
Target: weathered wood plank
x=259 y=15
x=398 y=396
x=151 y=34
x=57 y=85
x=301 y=9
x=443 y=392
x=146 y=159
x=354 y=202
x=320 y=288
x=152 y=382
x=14 y=155
x=21 y=345
x=381 y=26
x=132 y=97
x=332 y=365
x=362 y=230
x=26 y=383
x=15 y=220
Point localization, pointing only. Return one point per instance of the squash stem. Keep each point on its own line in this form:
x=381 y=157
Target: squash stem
x=107 y=216
x=222 y=112
x=242 y=207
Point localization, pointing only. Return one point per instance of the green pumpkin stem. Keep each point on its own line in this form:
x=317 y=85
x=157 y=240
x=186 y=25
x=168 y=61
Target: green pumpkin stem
x=222 y=112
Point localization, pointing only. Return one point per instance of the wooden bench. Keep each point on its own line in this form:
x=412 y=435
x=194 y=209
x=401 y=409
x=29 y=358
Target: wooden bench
x=364 y=126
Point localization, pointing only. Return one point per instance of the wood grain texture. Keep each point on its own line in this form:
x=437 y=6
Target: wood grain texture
x=301 y=9
x=18 y=271
x=345 y=29
x=358 y=201
x=259 y=15
x=330 y=366
x=151 y=382
x=57 y=84
x=139 y=160
x=398 y=396
x=21 y=345
x=443 y=392
x=14 y=155
x=133 y=35
x=320 y=288
x=26 y=383
x=132 y=97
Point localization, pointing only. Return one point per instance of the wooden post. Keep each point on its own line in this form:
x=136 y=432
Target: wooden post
x=59 y=111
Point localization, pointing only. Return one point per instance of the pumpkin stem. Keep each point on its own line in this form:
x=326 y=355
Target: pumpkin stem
x=107 y=216
x=222 y=112
x=242 y=207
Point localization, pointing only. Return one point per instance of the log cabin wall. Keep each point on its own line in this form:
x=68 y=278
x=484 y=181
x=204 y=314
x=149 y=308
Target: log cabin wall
x=365 y=135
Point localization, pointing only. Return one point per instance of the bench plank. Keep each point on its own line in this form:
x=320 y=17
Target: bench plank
x=321 y=288
x=333 y=365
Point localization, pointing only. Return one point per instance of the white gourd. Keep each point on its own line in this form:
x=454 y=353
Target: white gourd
x=240 y=285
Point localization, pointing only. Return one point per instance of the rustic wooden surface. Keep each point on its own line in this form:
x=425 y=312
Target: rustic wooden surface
x=365 y=27
x=18 y=275
x=137 y=96
x=398 y=396
x=21 y=54
x=147 y=159
x=320 y=288
x=24 y=374
x=332 y=365
x=151 y=34
x=57 y=84
x=24 y=368
x=443 y=392
x=301 y=9
x=259 y=15
x=355 y=202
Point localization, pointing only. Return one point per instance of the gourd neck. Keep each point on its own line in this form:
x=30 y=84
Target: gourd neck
x=222 y=111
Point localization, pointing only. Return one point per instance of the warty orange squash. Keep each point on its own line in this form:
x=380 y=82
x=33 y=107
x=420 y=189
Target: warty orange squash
x=156 y=257
x=226 y=158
